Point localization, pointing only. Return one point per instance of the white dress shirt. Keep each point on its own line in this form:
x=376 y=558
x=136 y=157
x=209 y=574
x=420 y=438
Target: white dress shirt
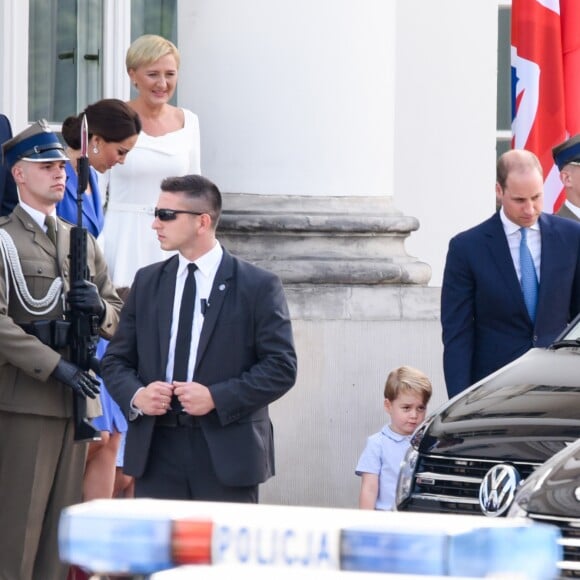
x=38 y=216
x=514 y=236
x=207 y=266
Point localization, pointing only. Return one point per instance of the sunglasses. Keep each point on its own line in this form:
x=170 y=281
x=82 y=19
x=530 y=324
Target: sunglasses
x=167 y=215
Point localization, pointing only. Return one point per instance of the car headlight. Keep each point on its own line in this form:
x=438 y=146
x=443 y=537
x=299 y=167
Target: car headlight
x=408 y=467
x=406 y=476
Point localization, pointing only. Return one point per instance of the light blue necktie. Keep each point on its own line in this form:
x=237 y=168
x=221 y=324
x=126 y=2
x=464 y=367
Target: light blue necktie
x=529 y=279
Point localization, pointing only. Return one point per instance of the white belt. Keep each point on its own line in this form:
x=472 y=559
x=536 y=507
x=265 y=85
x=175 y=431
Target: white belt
x=131 y=207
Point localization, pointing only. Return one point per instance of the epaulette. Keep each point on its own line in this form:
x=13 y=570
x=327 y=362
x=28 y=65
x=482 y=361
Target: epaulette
x=67 y=222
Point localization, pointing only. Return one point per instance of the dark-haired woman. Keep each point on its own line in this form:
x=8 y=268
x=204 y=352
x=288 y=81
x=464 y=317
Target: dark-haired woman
x=113 y=129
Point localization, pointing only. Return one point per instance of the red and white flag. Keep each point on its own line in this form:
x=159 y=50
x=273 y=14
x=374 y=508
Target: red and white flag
x=545 y=60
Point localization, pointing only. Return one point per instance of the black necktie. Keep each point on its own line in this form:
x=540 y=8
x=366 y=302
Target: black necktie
x=50 y=224
x=183 y=343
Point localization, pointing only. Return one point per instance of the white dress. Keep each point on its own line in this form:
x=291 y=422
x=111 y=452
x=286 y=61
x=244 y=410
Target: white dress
x=128 y=241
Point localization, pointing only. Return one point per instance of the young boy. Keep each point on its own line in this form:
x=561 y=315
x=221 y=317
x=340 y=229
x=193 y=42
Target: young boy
x=407 y=392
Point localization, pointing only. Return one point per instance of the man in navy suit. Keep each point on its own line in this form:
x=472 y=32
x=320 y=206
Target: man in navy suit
x=484 y=317
x=207 y=434
x=8 y=193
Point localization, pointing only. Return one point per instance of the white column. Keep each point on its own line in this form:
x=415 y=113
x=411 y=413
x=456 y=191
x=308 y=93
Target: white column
x=116 y=41
x=294 y=97
x=14 y=62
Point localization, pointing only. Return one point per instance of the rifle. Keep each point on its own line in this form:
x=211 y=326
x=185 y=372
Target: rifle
x=84 y=327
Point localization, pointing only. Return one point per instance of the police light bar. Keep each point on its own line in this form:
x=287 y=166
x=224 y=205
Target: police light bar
x=140 y=536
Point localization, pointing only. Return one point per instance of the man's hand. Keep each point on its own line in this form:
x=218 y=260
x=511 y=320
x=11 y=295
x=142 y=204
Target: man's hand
x=78 y=380
x=84 y=297
x=195 y=398
x=154 y=399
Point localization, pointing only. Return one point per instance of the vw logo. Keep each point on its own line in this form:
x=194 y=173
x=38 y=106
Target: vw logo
x=497 y=489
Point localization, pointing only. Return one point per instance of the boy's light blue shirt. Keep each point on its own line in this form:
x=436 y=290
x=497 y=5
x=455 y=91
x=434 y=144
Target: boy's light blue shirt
x=382 y=456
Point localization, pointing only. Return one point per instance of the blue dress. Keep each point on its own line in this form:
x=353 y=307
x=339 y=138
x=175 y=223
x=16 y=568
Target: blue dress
x=93 y=218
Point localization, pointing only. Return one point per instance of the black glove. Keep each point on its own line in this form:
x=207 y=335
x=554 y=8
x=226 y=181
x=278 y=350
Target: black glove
x=84 y=297
x=78 y=380
x=95 y=365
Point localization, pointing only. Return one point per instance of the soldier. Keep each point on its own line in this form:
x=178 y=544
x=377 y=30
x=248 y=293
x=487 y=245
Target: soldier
x=41 y=467
x=567 y=157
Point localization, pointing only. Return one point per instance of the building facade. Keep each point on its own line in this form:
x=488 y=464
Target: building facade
x=351 y=140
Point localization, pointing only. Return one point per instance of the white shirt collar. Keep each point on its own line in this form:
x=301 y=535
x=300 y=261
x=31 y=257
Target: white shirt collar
x=37 y=216
x=206 y=264
x=388 y=431
x=510 y=227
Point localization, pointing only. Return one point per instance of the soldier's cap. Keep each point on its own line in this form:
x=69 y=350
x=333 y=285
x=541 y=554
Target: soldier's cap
x=36 y=143
x=567 y=152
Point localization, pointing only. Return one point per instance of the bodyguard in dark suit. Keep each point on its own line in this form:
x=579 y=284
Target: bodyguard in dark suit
x=488 y=317
x=8 y=193
x=205 y=434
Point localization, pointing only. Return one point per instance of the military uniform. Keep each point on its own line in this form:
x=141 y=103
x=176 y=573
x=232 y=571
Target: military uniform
x=567 y=152
x=41 y=467
x=566 y=212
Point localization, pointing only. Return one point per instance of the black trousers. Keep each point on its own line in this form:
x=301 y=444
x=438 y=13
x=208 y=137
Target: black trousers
x=180 y=467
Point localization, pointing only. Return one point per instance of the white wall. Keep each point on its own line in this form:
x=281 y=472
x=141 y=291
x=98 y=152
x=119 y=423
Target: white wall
x=294 y=96
x=342 y=97
x=445 y=120
x=14 y=62
x=321 y=425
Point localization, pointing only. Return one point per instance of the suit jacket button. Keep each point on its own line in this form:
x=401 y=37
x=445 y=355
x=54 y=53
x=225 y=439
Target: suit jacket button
x=37 y=371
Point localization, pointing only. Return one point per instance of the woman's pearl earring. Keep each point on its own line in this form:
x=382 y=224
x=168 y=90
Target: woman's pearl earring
x=95 y=150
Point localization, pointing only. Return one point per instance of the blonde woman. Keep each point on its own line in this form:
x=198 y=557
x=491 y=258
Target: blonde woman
x=168 y=144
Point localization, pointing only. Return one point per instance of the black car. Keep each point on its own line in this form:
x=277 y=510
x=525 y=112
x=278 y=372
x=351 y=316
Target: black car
x=552 y=495
x=473 y=453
